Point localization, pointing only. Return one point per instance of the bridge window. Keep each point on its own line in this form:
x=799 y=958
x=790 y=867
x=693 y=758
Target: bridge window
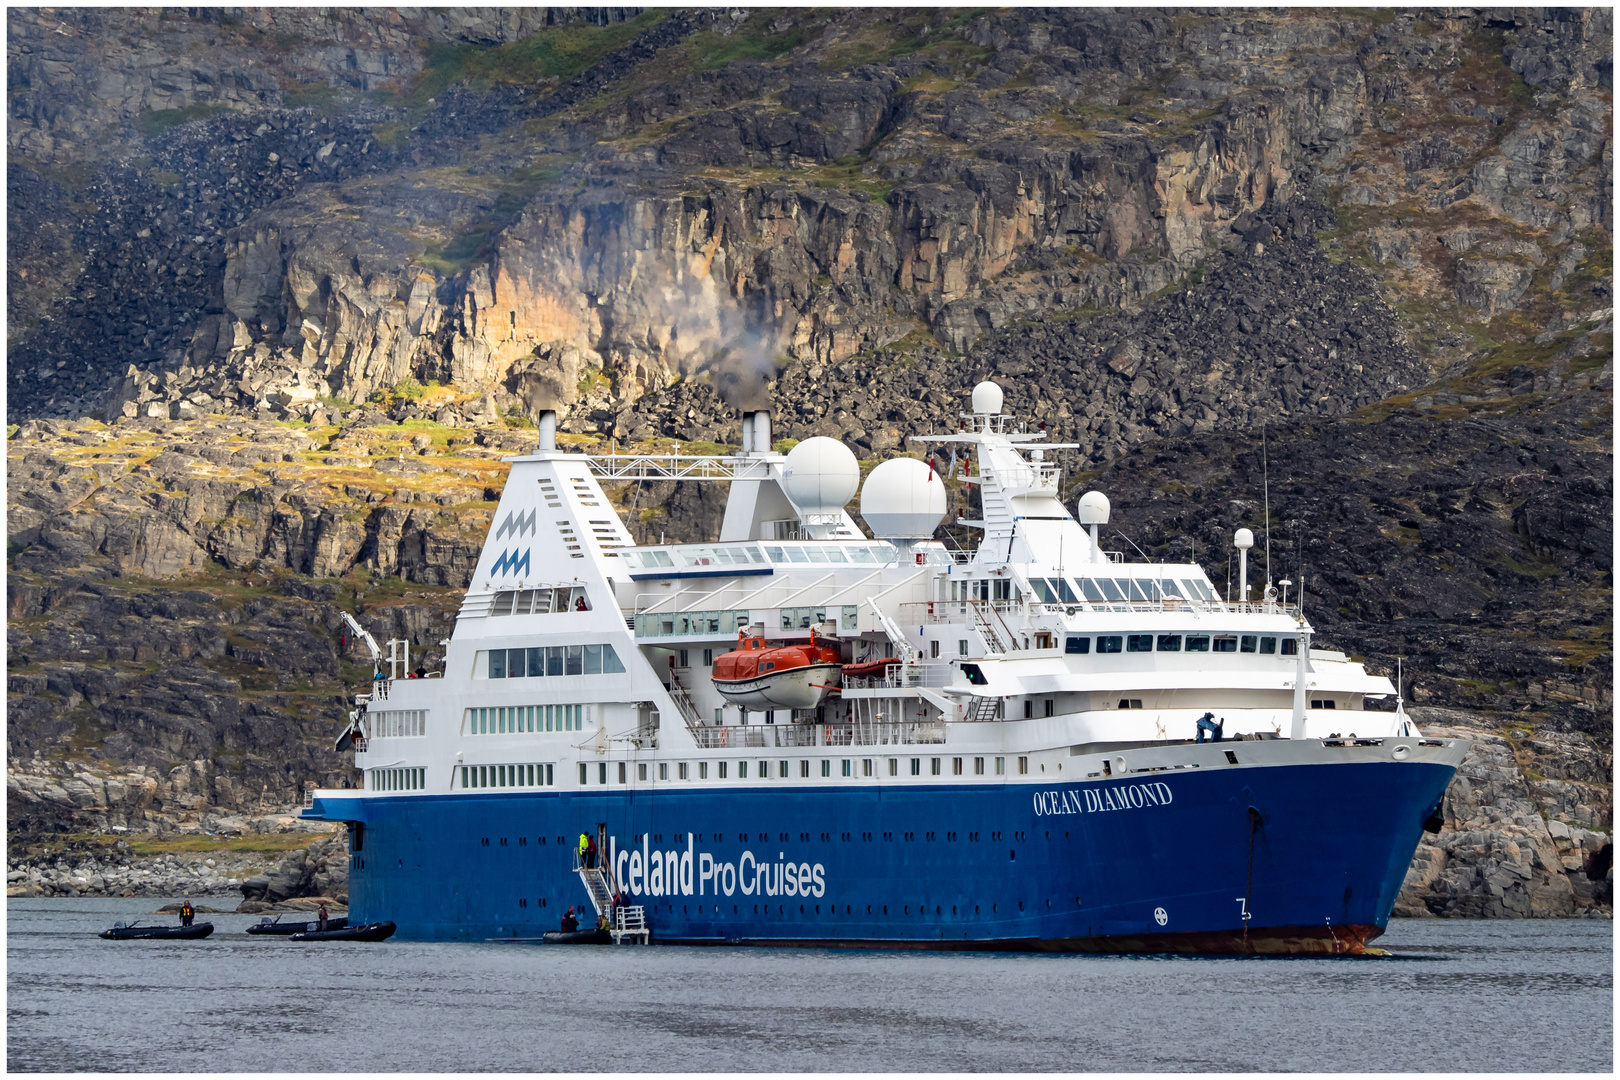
x=1110 y=643
x=1226 y=644
x=1324 y=703
x=1268 y=645
x=1077 y=645
x=1169 y=642
x=1246 y=643
x=1290 y=646
x=1198 y=643
x=1138 y=642
x=553 y=660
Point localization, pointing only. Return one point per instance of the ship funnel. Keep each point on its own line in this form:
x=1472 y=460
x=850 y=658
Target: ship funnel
x=762 y=430
x=548 y=429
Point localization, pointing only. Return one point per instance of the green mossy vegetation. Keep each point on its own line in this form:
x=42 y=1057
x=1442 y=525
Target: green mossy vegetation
x=157 y=121
x=555 y=53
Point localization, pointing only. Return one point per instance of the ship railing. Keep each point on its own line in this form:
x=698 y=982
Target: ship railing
x=809 y=736
x=955 y=611
x=379 y=689
x=309 y=798
x=683 y=702
x=904 y=676
x=962 y=611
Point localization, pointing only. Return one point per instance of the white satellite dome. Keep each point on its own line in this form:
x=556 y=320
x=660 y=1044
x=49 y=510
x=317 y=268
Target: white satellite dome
x=1094 y=508
x=987 y=399
x=903 y=499
x=1243 y=539
x=820 y=475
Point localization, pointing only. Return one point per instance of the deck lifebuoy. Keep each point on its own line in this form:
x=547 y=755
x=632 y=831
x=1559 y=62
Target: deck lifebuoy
x=722 y=736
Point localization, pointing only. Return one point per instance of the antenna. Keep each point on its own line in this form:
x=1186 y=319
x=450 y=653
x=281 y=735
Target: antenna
x=1265 y=486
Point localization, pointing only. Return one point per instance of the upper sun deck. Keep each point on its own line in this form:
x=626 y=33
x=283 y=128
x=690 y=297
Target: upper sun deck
x=757 y=557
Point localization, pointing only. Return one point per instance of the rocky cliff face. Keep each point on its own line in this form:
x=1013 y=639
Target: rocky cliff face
x=882 y=171
x=284 y=283
x=1519 y=838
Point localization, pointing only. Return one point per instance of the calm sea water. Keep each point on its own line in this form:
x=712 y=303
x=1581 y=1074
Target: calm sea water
x=1459 y=996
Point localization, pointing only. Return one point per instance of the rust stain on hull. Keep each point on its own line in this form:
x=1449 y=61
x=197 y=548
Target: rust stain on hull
x=1266 y=941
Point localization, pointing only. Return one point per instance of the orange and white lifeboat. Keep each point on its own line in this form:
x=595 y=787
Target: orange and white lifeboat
x=757 y=675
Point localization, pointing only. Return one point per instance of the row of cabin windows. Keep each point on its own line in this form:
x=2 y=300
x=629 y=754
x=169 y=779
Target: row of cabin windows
x=1221 y=643
x=508 y=776
x=539 y=601
x=1120 y=590
x=398 y=724
x=398 y=779
x=554 y=660
x=525 y=718
x=764 y=771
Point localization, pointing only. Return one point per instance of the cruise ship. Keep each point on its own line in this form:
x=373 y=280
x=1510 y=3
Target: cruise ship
x=797 y=734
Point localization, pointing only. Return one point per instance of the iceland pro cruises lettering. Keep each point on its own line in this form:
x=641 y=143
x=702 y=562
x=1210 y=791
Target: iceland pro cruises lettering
x=1102 y=798
x=689 y=872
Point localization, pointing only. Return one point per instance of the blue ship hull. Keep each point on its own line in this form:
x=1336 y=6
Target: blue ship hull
x=1158 y=862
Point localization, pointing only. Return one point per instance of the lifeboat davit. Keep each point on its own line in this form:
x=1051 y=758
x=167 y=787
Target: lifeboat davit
x=756 y=675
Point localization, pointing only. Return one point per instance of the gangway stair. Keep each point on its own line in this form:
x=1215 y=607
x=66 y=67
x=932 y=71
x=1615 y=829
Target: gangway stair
x=625 y=923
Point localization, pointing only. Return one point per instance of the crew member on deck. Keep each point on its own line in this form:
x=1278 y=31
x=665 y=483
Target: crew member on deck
x=320 y=918
x=1208 y=723
x=187 y=913
x=584 y=850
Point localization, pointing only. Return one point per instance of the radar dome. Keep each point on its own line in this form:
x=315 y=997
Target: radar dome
x=987 y=399
x=1243 y=539
x=820 y=475
x=903 y=500
x=1094 y=508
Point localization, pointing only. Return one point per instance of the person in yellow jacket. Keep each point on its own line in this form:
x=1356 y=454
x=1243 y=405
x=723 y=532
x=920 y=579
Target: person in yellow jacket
x=584 y=850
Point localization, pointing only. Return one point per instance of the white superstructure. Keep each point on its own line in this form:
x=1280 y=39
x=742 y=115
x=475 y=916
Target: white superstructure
x=580 y=658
